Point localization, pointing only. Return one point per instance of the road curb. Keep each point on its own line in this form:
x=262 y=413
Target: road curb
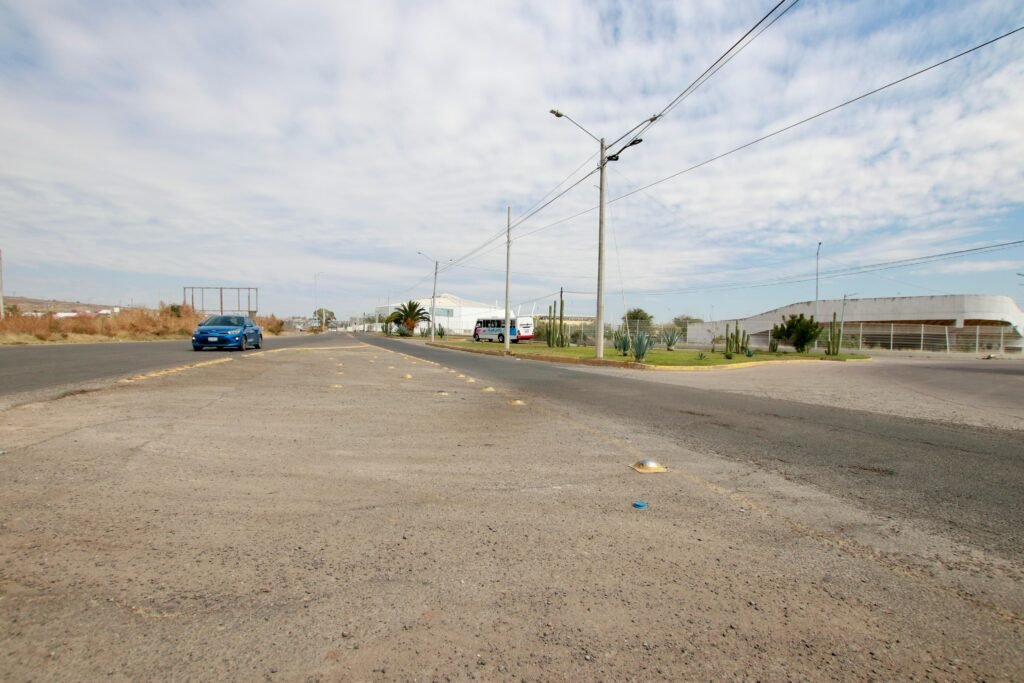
x=604 y=362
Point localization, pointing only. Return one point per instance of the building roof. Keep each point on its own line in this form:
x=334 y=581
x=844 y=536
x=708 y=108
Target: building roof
x=946 y=309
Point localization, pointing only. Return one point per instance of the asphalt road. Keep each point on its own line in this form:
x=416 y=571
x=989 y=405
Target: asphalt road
x=39 y=368
x=962 y=481
x=966 y=483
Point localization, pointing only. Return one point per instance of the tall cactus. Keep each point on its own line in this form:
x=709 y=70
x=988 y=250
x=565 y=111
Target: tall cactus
x=833 y=338
x=549 y=333
x=563 y=340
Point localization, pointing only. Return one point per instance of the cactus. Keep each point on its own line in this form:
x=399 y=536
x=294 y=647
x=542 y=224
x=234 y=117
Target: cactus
x=563 y=340
x=642 y=343
x=621 y=341
x=737 y=341
x=833 y=338
x=549 y=333
x=670 y=336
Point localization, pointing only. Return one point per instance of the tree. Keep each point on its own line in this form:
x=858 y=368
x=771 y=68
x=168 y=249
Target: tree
x=682 y=321
x=324 y=316
x=637 y=319
x=798 y=331
x=388 y=321
x=411 y=313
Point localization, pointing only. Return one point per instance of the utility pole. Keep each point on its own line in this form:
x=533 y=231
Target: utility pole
x=599 y=322
x=842 y=320
x=817 y=261
x=508 y=276
x=433 y=298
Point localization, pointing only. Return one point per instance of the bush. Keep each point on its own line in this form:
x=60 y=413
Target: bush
x=798 y=331
x=271 y=324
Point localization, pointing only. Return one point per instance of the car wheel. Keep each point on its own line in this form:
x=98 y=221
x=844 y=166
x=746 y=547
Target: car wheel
x=501 y=339
x=476 y=337
x=242 y=346
x=259 y=342
x=197 y=348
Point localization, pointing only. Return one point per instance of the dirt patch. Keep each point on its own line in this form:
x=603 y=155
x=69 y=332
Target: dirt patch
x=354 y=514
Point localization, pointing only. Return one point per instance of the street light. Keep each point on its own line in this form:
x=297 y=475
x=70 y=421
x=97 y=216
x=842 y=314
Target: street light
x=433 y=295
x=817 y=261
x=315 y=307
x=604 y=159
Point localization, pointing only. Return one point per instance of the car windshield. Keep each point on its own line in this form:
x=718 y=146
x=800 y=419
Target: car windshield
x=225 y=320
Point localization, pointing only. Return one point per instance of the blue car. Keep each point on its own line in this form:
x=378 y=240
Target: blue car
x=227 y=332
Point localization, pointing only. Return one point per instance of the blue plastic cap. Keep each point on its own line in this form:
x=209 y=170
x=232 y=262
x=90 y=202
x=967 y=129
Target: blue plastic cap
x=640 y=505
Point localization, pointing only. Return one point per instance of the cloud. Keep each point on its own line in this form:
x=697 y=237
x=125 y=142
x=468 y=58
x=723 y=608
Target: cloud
x=981 y=266
x=258 y=143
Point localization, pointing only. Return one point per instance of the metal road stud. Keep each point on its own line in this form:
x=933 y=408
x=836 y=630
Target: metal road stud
x=489 y=390
x=517 y=402
x=391 y=367
x=440 y=393
x=648 y=466
x=460 y=376
x=407 y=376
x=471 y=380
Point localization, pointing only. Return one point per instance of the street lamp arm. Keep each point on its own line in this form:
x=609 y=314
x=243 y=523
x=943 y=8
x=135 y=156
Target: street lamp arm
x=631 y=130
x=560 y=115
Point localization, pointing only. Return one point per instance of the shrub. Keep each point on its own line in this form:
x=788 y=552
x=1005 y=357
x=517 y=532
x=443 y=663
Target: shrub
x=799 y=331
x=642 y=343
x=271 y=324
x=621 y=341
x=670 y=337
x=441 y=332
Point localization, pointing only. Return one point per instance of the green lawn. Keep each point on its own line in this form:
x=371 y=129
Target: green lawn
x=679 y=357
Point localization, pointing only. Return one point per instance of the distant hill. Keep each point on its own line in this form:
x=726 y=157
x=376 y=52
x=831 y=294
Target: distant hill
x=28 y=305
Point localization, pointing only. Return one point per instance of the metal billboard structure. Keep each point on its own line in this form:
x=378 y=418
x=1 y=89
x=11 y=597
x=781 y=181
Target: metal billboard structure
x=221 y=298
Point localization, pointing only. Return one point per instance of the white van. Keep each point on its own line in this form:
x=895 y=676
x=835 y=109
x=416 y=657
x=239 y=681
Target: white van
x=493 y=329
x=525 y=328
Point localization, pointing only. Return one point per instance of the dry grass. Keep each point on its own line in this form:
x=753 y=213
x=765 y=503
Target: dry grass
x=168 y=322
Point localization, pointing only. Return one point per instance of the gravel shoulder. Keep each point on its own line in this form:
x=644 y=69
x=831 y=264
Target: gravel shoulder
x=980 y=393
x=342 y=512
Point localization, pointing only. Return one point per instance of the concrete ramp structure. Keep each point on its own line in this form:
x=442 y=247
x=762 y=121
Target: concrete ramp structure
x=951 y=322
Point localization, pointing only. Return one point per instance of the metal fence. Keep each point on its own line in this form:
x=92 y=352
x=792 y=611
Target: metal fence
x=919 y=337
x=856 y=336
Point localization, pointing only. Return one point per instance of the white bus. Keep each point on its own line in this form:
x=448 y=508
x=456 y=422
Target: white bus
x=493 y=329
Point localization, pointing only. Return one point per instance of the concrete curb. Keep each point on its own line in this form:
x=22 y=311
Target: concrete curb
x=635 y=366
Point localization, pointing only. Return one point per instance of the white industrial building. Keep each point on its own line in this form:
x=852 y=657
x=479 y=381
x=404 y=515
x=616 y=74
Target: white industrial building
x=953 y=322
x=455 y=314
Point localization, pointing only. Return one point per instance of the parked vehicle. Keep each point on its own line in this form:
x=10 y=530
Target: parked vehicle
x=525 y=328
x=493 y=329
x=227 y=332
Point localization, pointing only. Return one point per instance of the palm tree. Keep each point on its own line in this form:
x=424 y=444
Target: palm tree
x=411 y=313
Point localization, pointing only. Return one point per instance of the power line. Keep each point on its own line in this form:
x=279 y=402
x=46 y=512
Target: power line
x=775 y=133
x=724 y=59
x=818 y=115
x=841 y=272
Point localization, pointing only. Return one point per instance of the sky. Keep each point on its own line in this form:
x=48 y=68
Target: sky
x=328 y=152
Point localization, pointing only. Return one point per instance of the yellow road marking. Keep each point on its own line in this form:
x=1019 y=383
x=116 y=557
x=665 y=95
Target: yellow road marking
x=171 y=371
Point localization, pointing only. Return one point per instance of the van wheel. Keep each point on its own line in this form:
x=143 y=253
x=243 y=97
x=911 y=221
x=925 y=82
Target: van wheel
x=501 y=339
x=476 y=337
